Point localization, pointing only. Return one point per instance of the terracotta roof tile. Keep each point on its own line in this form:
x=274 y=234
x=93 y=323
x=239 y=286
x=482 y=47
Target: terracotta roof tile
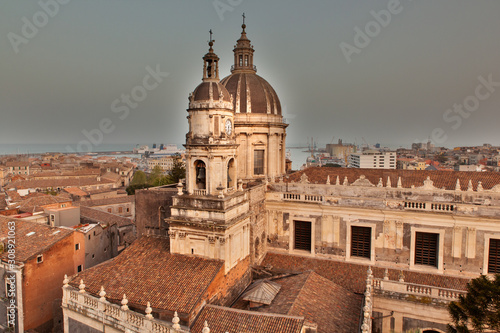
x=98 y=216
x=319 y=300
x=147 y=272
x=31 y=238
x=221 y=320
x=108 y=201
x=54 y=183
x=353 y=276
x=441 y=179
x=76 y=191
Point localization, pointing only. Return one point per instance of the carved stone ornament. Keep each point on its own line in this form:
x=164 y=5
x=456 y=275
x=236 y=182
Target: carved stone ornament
x=171 y=233
x=362 y=181
x=304 y=179
x=428 y=184
x=182 y=234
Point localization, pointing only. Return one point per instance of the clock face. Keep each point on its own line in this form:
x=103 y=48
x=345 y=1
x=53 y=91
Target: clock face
x=229 y=127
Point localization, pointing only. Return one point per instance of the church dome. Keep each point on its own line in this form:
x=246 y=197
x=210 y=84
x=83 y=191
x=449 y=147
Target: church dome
x=211 y=90
x=252 y=94
x=210 y=93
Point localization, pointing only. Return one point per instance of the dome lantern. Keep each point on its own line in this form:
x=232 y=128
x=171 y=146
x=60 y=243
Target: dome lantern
x=243 y=53
x=211 y=63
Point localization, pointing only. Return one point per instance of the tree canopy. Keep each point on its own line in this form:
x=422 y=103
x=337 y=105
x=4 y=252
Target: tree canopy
x=479 y=309
x=157 y=177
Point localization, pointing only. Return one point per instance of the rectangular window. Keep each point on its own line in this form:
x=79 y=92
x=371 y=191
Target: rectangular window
x=361 y=241
x=426 y=248
x=77 y=246
x=494 y=256
x=216 y=126
x=258 y=162
x=39 y=258
x=303 y=235
x=79 y=269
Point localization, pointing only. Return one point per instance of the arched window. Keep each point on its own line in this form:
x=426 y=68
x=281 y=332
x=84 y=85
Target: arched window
x=201 y=175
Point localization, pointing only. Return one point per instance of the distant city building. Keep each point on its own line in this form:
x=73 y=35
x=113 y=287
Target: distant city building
x=340 y=150
x=165 y=162
x=373 y=159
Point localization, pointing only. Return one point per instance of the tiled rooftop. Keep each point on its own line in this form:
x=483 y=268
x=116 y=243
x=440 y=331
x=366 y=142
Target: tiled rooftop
x=108 y=201
x=221 y=320
x=147 y=272
x=409 y=178
x=353 y=276
x=99 y=216
x=31 y=238
x=319 y=300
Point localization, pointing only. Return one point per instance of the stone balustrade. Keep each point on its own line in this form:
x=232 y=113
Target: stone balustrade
x=302 y=197
x=113 y=315
x=200 y=192
x=384 y=286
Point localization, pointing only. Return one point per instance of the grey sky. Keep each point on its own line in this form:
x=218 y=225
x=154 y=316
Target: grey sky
x=394 y=91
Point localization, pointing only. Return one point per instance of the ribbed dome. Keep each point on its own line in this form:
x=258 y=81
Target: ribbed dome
x=210 y=90
x=252 y=94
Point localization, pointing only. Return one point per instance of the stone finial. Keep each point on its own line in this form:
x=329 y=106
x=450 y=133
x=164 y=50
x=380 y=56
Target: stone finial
x=380 y=183
x=365 y=328
x=81 y=286
x=205 y=329
x=457 y=185
x=400 y=183
x=179 y=188
x=386 y=274
x=175 y=322
x=346 y=181
x=388 y=182
x=369 y=271
x=124 y=303
x=337 y=182
x=401 y=277
x=480 y=187
x=240 y=185
x=304 y=179
x=328 y=180
x=102 y=293
x=65 y=281
x=148 y=311
x=469 y=187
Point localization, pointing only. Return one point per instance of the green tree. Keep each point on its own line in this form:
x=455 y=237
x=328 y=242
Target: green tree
x=156 y=177
x=139 y=178
x=478 y=310
x=178 y=170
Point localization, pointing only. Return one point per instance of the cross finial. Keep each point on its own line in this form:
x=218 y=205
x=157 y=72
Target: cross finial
x=211 y=35
x=243 y=18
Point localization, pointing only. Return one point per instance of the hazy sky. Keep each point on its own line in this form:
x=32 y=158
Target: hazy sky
x=395 y=82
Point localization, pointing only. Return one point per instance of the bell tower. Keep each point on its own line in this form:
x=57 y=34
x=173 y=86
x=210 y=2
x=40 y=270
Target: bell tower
x=210 y=142
x=211 y=217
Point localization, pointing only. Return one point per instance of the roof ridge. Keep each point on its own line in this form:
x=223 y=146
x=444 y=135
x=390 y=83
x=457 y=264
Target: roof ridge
x=266 y=314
